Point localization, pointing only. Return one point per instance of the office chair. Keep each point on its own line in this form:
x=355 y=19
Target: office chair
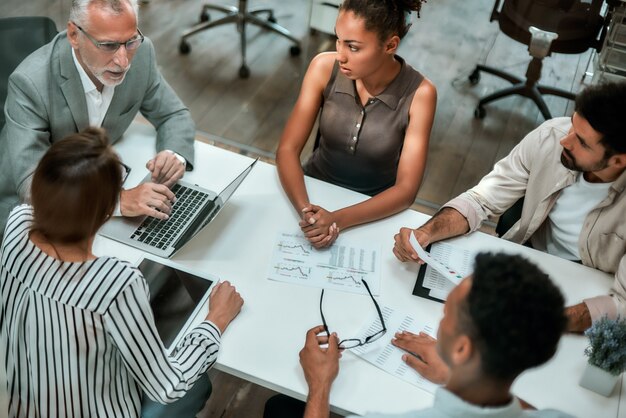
x=240 y=16
x=19 y=36
x=510 y=217
x=546 y=26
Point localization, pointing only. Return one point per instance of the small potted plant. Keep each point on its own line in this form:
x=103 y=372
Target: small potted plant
x=607 y=355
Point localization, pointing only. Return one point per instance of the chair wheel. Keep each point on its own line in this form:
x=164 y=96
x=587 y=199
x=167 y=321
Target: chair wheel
x=244 y=72
x=184 y=47
x=479 y=112
x=271 y=18
x=295 y=50
x=204 y=16
x=474 y=77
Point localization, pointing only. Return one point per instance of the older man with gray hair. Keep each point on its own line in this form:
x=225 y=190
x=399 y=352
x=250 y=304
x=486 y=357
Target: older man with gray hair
x=82 y=78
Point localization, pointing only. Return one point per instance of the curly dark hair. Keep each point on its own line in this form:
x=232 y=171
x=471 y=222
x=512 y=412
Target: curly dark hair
x=384 y=17
x=602 y=105
x=513 y=313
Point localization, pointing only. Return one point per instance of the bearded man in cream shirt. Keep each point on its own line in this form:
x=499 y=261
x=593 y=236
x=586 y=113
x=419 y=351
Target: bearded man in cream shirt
x=571 y=173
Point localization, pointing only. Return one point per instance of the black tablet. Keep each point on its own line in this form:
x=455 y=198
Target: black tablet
x=419 y=289
x=177 y=298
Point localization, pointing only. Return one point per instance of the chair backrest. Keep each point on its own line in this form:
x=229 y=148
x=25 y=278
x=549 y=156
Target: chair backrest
x=577 y=22
x=510 y=217
x=19 y=37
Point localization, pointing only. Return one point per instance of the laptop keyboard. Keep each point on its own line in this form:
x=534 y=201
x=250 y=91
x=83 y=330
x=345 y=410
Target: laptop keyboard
x=160 y=233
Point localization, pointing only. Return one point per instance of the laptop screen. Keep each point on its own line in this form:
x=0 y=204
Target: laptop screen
x=202 y=221
x=174 y=296
x=230 y=189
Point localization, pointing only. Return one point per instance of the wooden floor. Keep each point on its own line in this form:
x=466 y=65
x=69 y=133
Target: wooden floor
x=445 y=44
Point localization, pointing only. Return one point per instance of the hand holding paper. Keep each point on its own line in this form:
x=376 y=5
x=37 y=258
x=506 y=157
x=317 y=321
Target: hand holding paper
x=447 y=272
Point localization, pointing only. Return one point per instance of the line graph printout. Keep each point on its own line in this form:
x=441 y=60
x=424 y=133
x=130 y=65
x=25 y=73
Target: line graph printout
x=388 y=357
x=343 y=266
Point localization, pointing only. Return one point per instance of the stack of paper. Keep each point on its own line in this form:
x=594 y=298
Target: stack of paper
x=447 y=265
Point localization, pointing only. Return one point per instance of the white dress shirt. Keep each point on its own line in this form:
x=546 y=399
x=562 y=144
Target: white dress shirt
x=97 y=102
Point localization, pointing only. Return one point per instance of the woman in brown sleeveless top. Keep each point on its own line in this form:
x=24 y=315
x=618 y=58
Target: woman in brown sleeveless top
x=376 y=113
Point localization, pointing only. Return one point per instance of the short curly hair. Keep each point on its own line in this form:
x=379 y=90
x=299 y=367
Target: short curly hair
x=513 y=313
x=602 y=105
x=384 y=17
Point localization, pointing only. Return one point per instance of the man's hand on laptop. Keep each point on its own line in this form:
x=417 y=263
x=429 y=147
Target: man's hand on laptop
x=147 y=199
x=166 y=167
x=224 y=305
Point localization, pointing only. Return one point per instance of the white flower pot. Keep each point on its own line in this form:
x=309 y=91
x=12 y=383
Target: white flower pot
x=598 y=380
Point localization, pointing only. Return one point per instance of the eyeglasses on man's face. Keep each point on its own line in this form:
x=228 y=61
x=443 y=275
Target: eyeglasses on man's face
x=125 y=171
x=112 y=47
x=357 y=342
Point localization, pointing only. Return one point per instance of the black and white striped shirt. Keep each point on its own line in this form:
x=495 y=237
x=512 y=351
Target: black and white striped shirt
x=79 y=339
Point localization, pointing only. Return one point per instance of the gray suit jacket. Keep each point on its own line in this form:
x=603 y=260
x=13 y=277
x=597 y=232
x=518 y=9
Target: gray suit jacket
x=46 y=102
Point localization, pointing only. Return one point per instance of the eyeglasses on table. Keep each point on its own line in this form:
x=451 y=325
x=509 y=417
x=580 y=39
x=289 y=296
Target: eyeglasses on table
x=349 y=343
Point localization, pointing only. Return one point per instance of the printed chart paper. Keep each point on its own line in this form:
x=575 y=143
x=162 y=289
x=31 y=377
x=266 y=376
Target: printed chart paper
x=343 y=266
x=444 y=254
x=388 y=357
x=451 y=255
x=448 y=272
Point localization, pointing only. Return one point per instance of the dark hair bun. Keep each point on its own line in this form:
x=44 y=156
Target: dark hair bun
x=409 y=5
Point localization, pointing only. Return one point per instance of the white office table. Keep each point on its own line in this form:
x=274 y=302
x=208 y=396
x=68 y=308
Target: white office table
x=263 y=342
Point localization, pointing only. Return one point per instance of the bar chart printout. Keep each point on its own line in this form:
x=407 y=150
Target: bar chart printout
x=343 y=266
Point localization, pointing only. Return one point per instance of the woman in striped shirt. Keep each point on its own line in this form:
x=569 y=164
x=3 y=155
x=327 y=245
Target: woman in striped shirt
x=77 y=330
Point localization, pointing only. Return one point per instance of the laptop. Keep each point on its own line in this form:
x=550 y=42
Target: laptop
x=194 y=208
x=178 y=298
